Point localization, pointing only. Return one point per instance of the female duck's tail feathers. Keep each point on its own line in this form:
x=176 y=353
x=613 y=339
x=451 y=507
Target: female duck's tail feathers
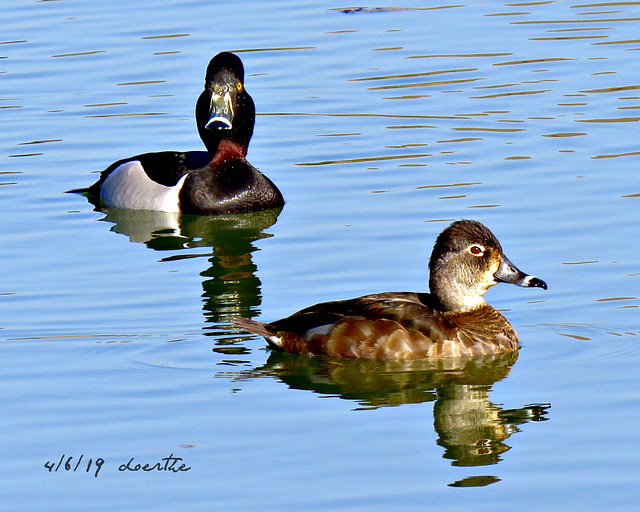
x=260 y=329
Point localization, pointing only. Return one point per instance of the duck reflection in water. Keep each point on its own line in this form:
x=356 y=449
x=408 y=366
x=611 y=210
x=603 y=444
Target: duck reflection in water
x=471 y=429
x=230 y=285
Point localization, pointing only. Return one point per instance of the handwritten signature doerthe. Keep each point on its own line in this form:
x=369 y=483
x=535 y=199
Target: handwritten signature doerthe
x=169 y=464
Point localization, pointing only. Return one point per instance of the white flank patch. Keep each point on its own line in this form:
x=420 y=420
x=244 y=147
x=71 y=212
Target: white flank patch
x=128 y=186
x=320 y=329
x=274 y=340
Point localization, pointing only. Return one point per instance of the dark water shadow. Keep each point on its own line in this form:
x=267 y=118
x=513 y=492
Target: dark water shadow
x=230 y=283
x=472 y=430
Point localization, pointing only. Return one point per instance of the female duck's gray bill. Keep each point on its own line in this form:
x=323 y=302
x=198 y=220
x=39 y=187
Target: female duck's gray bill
x=220 y=111
x=509 y=273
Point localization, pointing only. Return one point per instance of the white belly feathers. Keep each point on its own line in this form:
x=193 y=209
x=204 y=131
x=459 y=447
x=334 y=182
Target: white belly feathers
x=128 y=186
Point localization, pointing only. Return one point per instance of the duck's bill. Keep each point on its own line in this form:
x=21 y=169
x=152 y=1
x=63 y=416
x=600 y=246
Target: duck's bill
x=220 y=112
x=509 y=273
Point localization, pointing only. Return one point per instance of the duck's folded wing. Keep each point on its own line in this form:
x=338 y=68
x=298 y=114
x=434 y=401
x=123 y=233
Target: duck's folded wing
x=414 y=311
x=164 y=167
x=397 y=306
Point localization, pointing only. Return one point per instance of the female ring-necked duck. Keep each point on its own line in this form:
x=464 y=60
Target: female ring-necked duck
x=217 y=181
x=451 y=321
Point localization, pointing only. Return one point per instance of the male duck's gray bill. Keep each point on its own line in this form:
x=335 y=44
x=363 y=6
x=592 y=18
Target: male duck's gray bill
x=221 y=111
x=509 y=273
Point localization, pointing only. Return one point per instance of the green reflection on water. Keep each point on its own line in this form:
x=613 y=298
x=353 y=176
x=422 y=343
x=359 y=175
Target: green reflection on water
x=230 y=285
x=471 y=429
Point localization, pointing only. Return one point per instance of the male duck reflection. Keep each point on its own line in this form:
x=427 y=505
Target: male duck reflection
x=217 y=181
x=451 y=321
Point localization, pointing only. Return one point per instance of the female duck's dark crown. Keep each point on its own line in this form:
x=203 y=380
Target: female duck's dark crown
x=458 y=235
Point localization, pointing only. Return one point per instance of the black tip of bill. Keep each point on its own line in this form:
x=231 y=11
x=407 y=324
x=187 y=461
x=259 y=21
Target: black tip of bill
x=531 y=282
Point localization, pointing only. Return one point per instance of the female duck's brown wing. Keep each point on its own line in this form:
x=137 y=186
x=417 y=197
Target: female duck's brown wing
x=403 y=307
x=388 y=326
x=384 y=325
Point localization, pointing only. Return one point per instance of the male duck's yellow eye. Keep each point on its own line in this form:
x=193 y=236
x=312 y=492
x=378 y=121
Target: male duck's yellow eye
x=239 y=86
x=476 y=250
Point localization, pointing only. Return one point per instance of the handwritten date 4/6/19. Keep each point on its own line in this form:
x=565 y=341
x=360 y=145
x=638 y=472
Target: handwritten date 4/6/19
x=71 y=464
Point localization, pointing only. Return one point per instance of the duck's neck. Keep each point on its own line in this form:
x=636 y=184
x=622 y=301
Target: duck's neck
x=228 y=150
x=456 y=296
x=459 y=303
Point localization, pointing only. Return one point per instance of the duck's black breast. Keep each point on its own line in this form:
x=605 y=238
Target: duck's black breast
x=228 y=184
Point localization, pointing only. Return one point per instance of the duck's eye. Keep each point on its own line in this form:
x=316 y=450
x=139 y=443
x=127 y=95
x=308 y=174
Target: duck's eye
x=476 y=250
x=239 y=86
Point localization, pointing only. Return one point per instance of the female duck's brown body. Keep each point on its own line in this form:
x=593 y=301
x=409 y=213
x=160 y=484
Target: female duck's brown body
x=451 y=321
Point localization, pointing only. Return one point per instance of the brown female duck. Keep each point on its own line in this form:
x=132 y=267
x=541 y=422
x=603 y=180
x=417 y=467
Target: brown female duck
x=451 y=321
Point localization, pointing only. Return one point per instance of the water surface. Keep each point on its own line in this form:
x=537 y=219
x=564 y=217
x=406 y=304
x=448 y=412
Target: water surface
x=380 y=126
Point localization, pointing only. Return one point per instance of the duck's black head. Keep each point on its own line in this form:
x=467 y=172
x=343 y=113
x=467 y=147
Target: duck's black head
x=224 y=109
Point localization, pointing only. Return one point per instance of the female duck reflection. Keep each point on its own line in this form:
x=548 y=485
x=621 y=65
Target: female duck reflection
x=230 y=285
x=471 y=429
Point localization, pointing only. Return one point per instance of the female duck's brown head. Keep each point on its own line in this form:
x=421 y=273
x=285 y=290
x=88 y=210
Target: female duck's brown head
x=466 y=261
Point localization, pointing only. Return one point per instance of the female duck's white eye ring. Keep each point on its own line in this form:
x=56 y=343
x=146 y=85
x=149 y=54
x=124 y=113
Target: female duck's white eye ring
x=476 y=250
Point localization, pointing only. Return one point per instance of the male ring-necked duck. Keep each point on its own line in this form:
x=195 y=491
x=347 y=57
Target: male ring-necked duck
x=451 y=321
x=217 y=181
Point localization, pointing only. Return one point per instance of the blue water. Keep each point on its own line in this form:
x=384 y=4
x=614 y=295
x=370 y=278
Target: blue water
x=379 y=126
